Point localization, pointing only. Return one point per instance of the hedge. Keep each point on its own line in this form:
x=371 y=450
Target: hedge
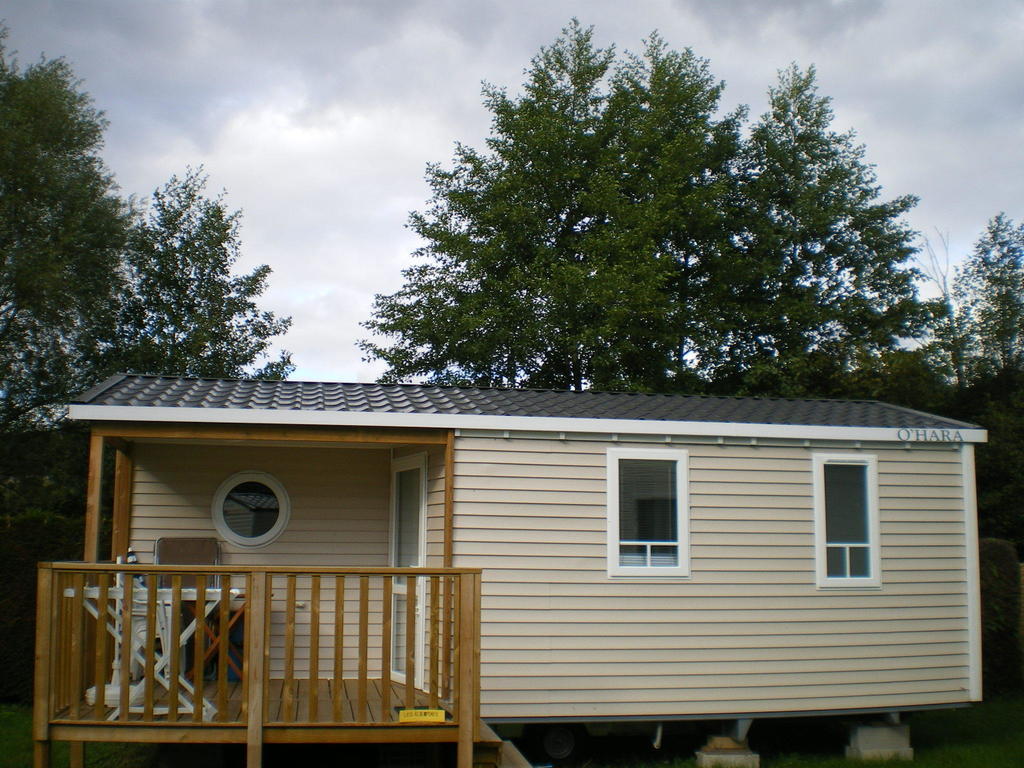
x=1000 y=617
x=27 y=539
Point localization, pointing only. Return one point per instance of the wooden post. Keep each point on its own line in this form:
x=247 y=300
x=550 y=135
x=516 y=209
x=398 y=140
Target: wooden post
x=385 y=649
x=477 y=599
x=41 y=684
x=77 y=672
x=148 y=678
x=433 y=644
x=102 y=665
x=287 y=687
x=223 y=647
x=174 y=692
x=411 y=590
x=448 y=556
x=92 y=499
x=91 y=553
x=448 y=634
x=313 y=706
x=123 y=469
x=199 y=651
x=125 y=673
x=363 y=647
x=254 y=667
x=467 y=671
x=449 y=496
x=338 y=682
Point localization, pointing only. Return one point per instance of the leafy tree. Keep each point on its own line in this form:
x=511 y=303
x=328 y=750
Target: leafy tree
x=89 y=286
x=834 y=292
x=948 y=347
x=553 y=258
x=979 y=345
x=184 y=313
x=980 y=333
x=62 y=230
x=618 y=233
x=989 y=299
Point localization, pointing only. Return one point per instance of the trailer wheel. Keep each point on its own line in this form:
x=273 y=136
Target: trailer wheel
x=559 y=741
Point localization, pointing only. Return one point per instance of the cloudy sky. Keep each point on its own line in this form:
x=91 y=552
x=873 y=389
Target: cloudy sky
x=318 y=117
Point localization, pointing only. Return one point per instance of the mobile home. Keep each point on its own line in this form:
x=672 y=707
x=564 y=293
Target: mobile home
x=490 y=558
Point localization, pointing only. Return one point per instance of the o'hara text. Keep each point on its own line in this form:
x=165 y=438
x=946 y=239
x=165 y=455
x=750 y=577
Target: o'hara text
x=930 y=435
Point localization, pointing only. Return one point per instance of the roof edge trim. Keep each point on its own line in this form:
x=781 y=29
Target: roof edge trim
x=108 y=383
x=520 y=423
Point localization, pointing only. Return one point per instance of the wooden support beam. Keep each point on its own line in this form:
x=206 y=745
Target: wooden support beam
x=449 y=497
x=93 y=499
x=466 y=706
x=124 y=467
x=42 y=688
x=477 y=601
x=255 y=669
x=136 y=733
x=391 y=733
x=268 y=432
x=41 y=754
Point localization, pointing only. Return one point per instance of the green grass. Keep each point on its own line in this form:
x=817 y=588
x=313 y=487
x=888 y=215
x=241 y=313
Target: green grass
x=988 y=735
x=16 y=746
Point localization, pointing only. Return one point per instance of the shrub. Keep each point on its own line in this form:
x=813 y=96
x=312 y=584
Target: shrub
x=26 y=539
x=1000 y=616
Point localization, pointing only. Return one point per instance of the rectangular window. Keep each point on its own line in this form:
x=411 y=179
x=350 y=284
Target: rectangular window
x=846 y=520
x=647 y=512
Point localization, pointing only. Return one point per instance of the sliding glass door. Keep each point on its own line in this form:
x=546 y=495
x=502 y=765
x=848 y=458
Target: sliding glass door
x=408 y=550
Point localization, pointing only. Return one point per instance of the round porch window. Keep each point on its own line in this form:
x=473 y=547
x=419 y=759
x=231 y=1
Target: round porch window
x=251 y=509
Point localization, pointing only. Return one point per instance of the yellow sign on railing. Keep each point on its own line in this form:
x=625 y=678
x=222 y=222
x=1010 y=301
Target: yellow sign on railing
x=421 y=715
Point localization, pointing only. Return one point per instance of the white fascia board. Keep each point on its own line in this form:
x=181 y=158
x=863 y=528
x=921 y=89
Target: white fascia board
x=973 y=572
x=509 y=423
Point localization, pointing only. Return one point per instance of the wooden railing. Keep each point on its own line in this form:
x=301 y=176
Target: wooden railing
x=148 y=645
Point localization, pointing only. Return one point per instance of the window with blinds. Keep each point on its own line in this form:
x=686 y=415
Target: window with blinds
x=647 y=512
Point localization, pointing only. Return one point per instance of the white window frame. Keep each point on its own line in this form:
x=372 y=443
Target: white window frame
x=682 y=459
x=824 y=581
x=414 y=461
x=256 y=476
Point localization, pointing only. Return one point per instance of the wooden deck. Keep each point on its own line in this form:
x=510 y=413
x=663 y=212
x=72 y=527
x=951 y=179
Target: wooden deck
x=117 y=649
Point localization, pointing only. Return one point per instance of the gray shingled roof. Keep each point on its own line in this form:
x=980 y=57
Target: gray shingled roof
x=174 y=392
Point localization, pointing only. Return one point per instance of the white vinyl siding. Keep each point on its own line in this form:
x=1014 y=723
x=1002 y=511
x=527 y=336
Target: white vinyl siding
x=749 y=631
x=846 y=520
x=339 y=517
x=339 y=500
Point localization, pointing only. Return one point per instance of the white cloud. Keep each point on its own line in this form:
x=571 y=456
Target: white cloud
x=318 y=117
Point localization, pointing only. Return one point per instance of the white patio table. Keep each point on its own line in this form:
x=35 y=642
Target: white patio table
x=137 y=635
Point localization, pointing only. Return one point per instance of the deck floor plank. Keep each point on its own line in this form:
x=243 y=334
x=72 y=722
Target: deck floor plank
x=351 y=694
x=325 y=706
x=273 y=694
x=327 y=691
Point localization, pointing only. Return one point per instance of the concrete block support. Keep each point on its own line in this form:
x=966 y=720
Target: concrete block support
x=727 y=752
x=879 y=741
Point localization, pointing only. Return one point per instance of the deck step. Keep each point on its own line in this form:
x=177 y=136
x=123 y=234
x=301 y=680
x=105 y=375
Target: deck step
x=511 y=757
x=493 y=752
